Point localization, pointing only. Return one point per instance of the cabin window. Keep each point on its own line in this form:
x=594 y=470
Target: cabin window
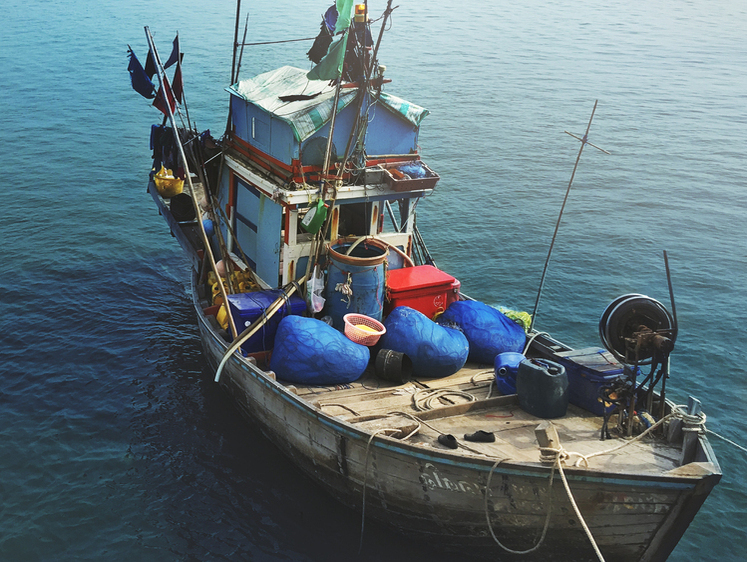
x=260 y=132
x=354 y=219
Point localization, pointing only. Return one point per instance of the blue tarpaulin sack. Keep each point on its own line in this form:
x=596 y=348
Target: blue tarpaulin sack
x=488 y=330
x=309 y=351
x=435 y=351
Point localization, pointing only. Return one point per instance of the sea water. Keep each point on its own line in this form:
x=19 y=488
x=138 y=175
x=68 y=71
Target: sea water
x=115 y=445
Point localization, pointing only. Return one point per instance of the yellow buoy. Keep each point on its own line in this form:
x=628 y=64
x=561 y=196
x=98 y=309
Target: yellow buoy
x=222 y=317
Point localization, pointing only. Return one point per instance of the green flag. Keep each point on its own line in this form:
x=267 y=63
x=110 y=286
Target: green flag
x=344 y=14
x=330 y=67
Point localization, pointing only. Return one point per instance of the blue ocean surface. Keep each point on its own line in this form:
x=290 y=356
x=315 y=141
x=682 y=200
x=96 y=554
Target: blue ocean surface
x=114 y=442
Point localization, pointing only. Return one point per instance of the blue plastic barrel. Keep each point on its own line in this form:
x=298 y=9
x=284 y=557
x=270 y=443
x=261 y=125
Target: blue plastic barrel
x=355 y=282
x=506 y=367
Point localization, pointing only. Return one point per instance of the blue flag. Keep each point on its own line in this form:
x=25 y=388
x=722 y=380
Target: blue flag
x=140 y=81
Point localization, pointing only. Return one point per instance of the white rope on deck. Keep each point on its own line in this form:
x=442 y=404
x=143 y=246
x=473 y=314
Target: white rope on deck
x=559 y=455
x=365 y=474
x=547 y=518
x=678 y=411
x=423 y=399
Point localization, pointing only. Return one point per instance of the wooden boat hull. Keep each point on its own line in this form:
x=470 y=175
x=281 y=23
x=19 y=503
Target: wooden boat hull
x=439 y=496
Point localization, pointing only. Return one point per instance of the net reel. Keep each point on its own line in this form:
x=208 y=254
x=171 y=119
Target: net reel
x=638 y=330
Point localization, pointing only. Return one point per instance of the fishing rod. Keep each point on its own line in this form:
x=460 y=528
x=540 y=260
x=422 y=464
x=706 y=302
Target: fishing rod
x=584 y=141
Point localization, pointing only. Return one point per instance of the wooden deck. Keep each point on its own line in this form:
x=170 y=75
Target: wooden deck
x=374 y=404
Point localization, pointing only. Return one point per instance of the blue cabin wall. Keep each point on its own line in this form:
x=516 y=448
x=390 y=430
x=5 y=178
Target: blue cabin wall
x=258 y=223
x=388 y=132
x=263 y=130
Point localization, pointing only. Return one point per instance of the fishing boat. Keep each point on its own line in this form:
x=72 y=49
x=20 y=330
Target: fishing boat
x=327 y=320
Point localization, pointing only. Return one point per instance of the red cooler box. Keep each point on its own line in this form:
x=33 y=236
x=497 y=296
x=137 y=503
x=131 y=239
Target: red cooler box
x=423 y=287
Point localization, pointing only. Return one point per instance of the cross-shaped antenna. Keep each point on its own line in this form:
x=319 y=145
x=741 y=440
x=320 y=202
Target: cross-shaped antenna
x=584 y=142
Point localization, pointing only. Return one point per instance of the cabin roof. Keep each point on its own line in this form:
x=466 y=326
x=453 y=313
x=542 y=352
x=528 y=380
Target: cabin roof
x=306 y=116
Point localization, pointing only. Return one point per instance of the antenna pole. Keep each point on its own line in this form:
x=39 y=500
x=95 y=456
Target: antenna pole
x=584 y=142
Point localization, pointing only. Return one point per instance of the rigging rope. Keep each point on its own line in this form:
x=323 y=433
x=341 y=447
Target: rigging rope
x=727 y=440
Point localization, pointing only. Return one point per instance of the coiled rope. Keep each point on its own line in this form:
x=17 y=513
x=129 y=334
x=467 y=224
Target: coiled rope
x=423 y=399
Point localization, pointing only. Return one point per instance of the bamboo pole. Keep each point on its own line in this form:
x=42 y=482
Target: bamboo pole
x=241 y=53
x=195 y=204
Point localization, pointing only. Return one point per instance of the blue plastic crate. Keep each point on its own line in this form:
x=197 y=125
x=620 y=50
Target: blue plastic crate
x=247 y=307
x=589 y=370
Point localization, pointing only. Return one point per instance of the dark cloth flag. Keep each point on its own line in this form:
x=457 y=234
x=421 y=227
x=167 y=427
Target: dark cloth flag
x=178 y=84
x=174 y=57
x=150 y=65
x=321 y=44
x=160 y=103
x=330 y=67
x=140 y=81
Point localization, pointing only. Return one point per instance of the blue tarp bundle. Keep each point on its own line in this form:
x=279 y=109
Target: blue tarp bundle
x=435 y=351
x=488 y=330
x=308 y=351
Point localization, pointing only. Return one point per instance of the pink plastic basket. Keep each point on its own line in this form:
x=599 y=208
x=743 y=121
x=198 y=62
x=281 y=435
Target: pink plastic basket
x=359 y=335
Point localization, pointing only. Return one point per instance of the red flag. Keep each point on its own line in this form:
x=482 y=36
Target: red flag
x=174 y=56
x=160 y=103
x=178 y=84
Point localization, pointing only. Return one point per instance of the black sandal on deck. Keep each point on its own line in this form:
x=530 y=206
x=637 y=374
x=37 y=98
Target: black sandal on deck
x=448 y=440
x=480 y=436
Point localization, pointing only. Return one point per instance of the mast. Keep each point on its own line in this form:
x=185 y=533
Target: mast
x=235 y=42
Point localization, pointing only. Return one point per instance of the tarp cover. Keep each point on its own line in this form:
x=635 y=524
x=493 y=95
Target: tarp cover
x=306 y=116
x=435 y=351
x=488 y=330
x=308 y=351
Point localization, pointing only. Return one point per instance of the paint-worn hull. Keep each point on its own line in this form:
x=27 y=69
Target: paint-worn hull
x=440 y=496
